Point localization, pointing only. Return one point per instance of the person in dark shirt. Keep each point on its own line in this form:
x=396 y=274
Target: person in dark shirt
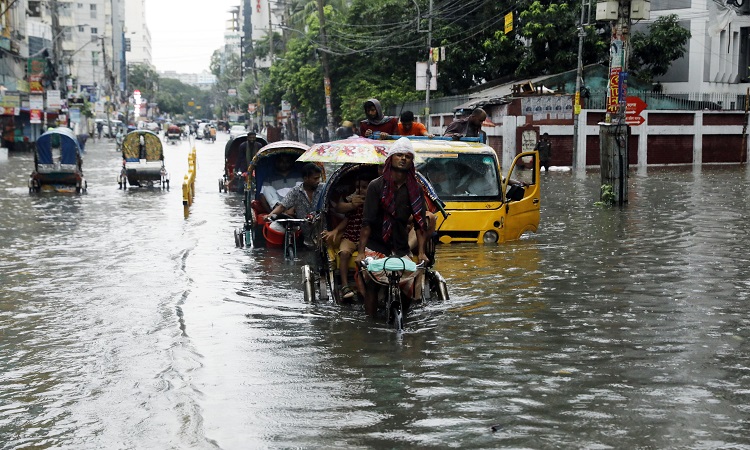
x=468 y=127
x=392 y=200
x=376 y=122
x=544 y=146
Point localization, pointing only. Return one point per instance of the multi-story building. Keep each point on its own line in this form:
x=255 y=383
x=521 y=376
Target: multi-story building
x=718 y=53
x=204 y=80
x=137 y=34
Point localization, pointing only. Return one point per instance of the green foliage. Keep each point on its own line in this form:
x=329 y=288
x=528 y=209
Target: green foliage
x=372 y=47
x=607 y=196
x=143 y=78
x=652 y=53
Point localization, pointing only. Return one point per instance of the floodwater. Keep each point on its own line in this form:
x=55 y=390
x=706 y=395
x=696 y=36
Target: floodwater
x=125 y=325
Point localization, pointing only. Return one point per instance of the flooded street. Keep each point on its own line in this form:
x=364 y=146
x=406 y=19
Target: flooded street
x=125 y=325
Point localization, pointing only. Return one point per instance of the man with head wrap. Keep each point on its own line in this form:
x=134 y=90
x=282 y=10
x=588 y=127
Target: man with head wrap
x=376 y=122
x=392 y=200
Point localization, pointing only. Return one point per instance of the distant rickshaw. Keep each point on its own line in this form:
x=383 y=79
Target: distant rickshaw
x=235 y=164
x=143 y=161
x=262 y=168
x=58 y=162
x=174 y=134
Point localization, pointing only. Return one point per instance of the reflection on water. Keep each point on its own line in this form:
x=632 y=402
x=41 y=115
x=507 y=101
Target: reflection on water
x=124 y=324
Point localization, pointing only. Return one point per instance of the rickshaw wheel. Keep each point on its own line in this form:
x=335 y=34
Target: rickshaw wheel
x=308 y=283
x=437 y=286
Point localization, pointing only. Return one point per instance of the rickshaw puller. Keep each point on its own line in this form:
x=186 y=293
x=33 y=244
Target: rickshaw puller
x=391 y=200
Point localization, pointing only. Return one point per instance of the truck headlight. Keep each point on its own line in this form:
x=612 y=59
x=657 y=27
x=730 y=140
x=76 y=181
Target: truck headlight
x=490 y=237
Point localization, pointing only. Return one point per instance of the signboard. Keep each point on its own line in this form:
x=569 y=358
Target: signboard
x=53 y=99
x=422 y=76
x=10 y=103
x=508 y=22
x=251 y=108
x=634 y=106
x=36 y=107
x=232 y=92
x=36 y=75
x=614 y=90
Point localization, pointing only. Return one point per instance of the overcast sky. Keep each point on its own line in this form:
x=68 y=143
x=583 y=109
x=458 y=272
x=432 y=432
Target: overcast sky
x=185 y=33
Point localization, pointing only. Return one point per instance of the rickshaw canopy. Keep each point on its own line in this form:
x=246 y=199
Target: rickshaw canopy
x=131 y=146
x=58 y=137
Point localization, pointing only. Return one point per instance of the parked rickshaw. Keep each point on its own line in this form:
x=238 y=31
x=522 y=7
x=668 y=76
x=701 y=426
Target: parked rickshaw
x=58 y=162
x=263 y=167
x=235 y=164
x=326 y=275
x=142 y=161
x=174 y=134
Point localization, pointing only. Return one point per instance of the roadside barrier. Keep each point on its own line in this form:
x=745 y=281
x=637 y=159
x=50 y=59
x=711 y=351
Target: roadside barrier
x=188 y=184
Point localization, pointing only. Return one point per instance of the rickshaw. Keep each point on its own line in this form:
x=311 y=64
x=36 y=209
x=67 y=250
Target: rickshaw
x=256 y=231
x=174 y=134
x=326 y=275
x=142 y=161
x=235 y=164
x=58 y=162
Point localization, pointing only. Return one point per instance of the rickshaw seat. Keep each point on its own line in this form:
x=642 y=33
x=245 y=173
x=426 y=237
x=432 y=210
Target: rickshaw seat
x=260 y=211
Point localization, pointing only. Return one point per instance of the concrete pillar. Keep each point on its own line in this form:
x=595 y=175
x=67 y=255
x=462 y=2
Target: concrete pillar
x=613 y=150
x=698 y=138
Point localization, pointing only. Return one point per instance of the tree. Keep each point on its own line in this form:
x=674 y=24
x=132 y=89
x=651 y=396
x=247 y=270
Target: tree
x=143 y=78
x=654 y=52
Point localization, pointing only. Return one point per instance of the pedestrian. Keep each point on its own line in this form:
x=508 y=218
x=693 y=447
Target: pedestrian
x=544 y=147
x=99 y=129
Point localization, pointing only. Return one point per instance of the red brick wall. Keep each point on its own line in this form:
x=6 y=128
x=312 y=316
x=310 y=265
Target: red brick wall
x=723 y=119
x=655 y=118
x=722 y=148
x=670 y=149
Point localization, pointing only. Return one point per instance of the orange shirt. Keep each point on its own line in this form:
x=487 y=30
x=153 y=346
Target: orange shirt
x=417 y=129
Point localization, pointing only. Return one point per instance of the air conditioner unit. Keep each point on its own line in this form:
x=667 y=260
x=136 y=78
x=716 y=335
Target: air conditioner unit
x=607 y=10
x=640 y=10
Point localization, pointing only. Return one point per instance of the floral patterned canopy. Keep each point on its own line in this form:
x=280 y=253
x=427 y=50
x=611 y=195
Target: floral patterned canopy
x=353 y=150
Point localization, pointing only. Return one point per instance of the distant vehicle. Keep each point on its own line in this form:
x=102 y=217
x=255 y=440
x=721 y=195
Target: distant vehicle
x=236 y=130
x=201 y=130
x=110 y=129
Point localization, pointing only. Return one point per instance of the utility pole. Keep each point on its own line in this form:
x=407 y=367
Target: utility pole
x=270 y=35
x=613 y=133
x=57 y=48
x=326 y=71
x=586 y=4
x=249 y=54
x=429 y=62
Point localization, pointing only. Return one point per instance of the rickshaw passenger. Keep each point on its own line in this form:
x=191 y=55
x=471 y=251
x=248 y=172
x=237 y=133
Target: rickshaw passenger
x=376 y=121
x=277 y=185
x=249 y=148
x=346 y=235
x=391 y=201
x=301 y=200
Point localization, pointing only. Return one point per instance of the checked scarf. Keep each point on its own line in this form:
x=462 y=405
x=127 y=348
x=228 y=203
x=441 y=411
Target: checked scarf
x=416 y=199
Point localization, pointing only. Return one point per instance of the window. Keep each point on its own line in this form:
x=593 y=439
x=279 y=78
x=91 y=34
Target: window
x=80 y=6
x=94 y=30
x=94 y=38
x=81 y=28
x=93 y=11
x=94 y=58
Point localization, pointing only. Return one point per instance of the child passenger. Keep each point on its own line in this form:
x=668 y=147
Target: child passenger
x=348 y=233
